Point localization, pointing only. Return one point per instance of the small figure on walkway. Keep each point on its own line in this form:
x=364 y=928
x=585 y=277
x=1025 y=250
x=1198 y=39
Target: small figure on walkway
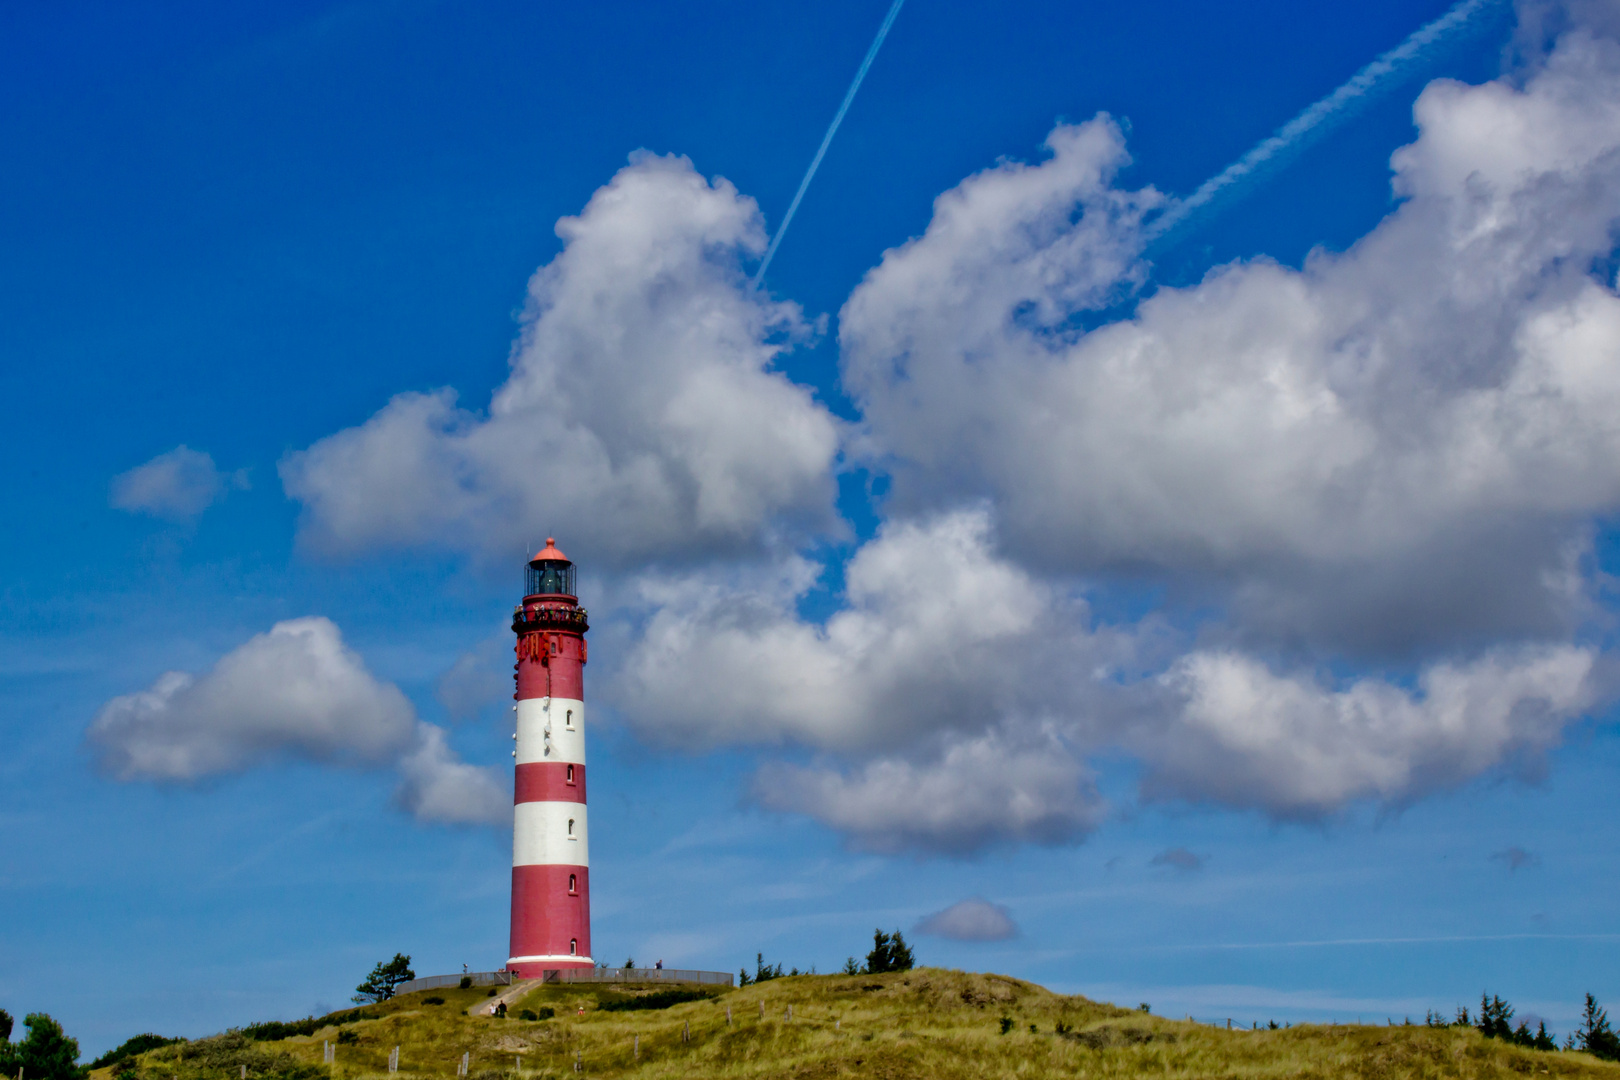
x=659 y=966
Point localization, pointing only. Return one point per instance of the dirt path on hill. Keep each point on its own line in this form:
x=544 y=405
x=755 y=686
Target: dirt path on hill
x=505 y=997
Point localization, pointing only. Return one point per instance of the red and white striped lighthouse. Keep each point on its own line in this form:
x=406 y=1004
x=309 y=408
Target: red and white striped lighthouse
x=551 y=876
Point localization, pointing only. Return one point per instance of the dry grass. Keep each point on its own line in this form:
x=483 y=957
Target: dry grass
x=926 y=1023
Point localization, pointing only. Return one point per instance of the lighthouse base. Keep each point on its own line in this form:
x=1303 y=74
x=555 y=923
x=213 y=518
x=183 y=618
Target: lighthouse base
x=535 y=967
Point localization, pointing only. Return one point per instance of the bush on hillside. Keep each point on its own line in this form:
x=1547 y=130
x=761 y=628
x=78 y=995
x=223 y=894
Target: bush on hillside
x=276 y=1030
x=889 y=953
x=222 y=1057
x=135 y=1044
x=662 y=999
x=5 y=1026
x=46 y=1053
x=465 y=983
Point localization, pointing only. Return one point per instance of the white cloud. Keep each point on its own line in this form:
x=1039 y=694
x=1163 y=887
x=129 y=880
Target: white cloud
x=178 y=485
x=975 y=919
x=1292 y=747
x=642 y=408
x=986 y=791
x=296 y=692
x=1399 y=447
x=438 y=786
x=1401 y=451
x=939 y=633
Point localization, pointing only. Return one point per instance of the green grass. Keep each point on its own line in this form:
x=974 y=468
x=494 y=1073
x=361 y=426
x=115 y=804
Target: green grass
x=927 y=1023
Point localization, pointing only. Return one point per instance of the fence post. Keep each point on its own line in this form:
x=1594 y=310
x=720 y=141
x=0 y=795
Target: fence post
x=577 y=1066
x=635 y=1048
x=728 y=1020
x=762 y=1010
x=790 y=1011
x=244 y=1072
x=686 y=1031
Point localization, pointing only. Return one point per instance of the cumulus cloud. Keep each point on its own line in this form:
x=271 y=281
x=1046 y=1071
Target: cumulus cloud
x=177 y=485
x=296 y=692
x=1398 y=454
x=979 y=792
x=976 y=919
x=1287 y=744
x=642 y=406
x=960 y=694
x=436 y=785
x=938 y=633
x=1397 y=448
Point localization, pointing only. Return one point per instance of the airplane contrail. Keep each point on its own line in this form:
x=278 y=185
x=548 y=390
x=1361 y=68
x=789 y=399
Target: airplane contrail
x=1322 y=116
x=826 y=140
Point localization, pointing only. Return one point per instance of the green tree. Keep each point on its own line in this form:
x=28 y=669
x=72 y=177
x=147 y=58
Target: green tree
x=384 y=979
x=1594 y=1035
x=764 y=971
x=5 y=1026
x=1495 y=1019
x=46 y=1053
x=889 y=953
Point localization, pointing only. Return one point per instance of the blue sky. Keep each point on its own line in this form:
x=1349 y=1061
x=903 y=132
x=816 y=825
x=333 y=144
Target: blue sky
x=1234 y=620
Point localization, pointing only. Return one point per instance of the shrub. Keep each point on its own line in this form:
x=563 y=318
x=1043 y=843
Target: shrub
x=276 y=1030
x=889 y=953
x=851 y=967
x=547 y=1012
x=135 y=1044
x=46 y=1053
x=465 y=983
x=662 y=999
x=347 y=1037
x=1006 y=1024
x=528 y=1014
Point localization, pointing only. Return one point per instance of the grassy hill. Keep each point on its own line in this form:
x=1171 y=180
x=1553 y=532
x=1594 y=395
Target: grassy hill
x=924 y=1023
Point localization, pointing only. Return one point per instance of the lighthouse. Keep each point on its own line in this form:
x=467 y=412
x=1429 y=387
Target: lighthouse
x=551 y=876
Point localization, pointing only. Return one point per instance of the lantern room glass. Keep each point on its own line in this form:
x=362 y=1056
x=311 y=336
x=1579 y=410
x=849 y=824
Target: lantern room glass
x=549 y=578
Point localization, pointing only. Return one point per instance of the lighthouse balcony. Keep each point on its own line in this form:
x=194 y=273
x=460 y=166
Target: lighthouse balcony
x=550 y=618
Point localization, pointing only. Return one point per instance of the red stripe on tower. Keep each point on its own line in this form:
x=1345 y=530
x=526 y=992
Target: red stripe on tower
x=551 y=893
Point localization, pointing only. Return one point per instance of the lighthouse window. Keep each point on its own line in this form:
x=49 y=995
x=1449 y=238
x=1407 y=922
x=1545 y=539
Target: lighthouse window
x=550 y=578
x=570 y=826
x=573 y=946
x=570 y=774
x=573 y=883
x=568 y=721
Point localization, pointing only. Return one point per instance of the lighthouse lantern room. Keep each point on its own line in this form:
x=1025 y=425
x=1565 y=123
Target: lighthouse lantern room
x=551 y=877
